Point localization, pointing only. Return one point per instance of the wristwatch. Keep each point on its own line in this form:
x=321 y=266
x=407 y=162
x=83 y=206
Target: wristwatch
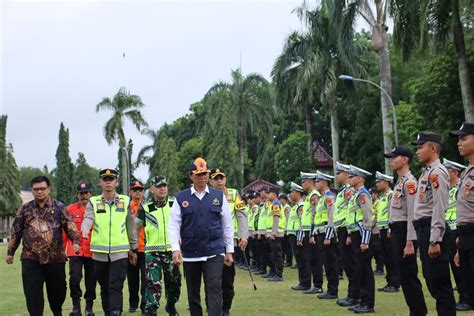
x=433 y=243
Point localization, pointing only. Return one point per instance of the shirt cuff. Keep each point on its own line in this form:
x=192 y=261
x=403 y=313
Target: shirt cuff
x=175 y=247
x=133 y=246
x=229 y=249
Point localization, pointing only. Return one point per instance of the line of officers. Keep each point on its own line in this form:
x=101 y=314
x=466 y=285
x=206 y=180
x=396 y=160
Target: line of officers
x=341 y=231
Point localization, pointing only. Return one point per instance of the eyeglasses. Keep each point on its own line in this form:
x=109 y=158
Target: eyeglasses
x=40 y=189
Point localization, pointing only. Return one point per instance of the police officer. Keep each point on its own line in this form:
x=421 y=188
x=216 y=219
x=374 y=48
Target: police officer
x=81 y=259
x=239 y=219
x=201 y=235
x=359 y=227
x=294 y=223
x=375 y=243
x=310 y=253
x=278 y=224
x=325 y=235
x=287 y=253
x=251 y=210
x=113 y=240
x=262 y=240
x=454 y=170
x=465 y=208
x=154 y=218
x=402 y=232
x=340 y=214
x=383 y=181
x=431 y=202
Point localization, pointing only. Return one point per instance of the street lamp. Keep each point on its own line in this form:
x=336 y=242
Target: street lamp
x=350 y=78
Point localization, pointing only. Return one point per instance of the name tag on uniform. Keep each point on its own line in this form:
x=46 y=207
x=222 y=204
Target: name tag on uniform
x=44 y=227
x=216 y=202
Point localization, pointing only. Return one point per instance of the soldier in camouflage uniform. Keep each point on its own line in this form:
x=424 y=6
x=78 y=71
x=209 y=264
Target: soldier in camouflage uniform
x=154 y=216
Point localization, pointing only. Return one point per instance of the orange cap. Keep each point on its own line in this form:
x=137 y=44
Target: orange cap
x=199 y=165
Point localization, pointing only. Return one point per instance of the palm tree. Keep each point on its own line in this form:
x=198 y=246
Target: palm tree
x=312 y=59
x=124 y=106
x=251 y=100
x=416 y=21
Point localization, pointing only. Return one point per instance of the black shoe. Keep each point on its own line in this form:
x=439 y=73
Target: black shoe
x=132 y=309
x=391 y=289
x=354 y=306
x=382 y=289
x=226 y=312
x=314 y=290
x=300 y=287
x=346 y=302
x=115 y=313
x=275 y=279
x=379 y=272
x=462 y=307
x=258 y=272
x=89 y=305
x=364 y=309
x=76 y=308
x=327 y=296
x=268 y=275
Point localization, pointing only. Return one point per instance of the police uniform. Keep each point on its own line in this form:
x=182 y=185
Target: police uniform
x=310 y=252
x=277 y=219
x=154 y=217
x=294 y=224
x=263 y=244
x=359 y=227
x=285 y=245
x=341 y=211
x=323 y=231
x=463 y=304
x=113 y=235
x=382 y=221
x=401 y=230
x=465 y=216
x=431 y=202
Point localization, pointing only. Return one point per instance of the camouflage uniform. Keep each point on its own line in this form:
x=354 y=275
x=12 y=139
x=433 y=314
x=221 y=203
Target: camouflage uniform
x=157 y=264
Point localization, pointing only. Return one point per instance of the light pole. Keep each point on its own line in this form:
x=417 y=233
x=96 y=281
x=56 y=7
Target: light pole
x=350 y=78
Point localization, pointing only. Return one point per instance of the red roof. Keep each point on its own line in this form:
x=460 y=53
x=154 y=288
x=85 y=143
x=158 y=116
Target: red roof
x=257 y=185
x=323 y=159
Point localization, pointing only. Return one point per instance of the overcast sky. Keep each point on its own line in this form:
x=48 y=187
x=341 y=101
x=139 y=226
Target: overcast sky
x=58 y=59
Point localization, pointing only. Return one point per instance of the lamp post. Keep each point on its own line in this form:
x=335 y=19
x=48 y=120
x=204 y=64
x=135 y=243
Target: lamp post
x=350 y=78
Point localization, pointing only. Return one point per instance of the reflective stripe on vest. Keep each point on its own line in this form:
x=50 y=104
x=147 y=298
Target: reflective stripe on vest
x=110 y=234
x=382 y=209
x=307 y=216
x=451 y=210
x=321 y=217
x=156 y=228
x=262 y=219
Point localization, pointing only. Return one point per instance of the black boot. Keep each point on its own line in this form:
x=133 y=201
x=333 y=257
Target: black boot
x=76 y=307
x=171 y=310
x=88 y=311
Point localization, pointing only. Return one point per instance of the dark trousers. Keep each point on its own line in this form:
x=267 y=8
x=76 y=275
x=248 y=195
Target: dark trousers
x=377 y=252
x=228 y=293
x=330 y=262
x=75 y=277
x=302 y=262
x=387 y=249
x=436 y=271
x=239 y=258
x=466 y=257
x=211 y=271
x=348 y=262
x=34 y=276
x=136 y=279
x=267 y=255
x=407 y=269
x=287 y=253
x=253 y=252
x=277 y=255
x=364 y=275
x=457 y=271
x=111 y=276
x=315 y=261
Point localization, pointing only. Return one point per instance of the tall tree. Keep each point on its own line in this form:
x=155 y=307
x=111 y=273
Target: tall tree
x=167 y=164
x=220 y=131
x=416 y=21
x=123 y=106
x=63 y=180
x=251 y=100
x=189 y=151
x=291 y=157
x=13 y=181
x=83 y=172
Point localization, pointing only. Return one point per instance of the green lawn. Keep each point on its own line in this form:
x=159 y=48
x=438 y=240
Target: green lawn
x=269 y=299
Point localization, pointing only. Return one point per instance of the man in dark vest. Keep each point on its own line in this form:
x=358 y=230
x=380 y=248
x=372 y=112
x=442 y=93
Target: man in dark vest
x=201 y=235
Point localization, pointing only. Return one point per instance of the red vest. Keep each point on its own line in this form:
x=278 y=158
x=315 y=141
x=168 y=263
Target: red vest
x=76 y=211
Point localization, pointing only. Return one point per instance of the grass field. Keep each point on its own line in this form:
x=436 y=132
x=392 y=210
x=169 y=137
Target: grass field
x=269 y=299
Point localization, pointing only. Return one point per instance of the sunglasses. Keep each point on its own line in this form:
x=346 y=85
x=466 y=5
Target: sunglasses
x=137 y=189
